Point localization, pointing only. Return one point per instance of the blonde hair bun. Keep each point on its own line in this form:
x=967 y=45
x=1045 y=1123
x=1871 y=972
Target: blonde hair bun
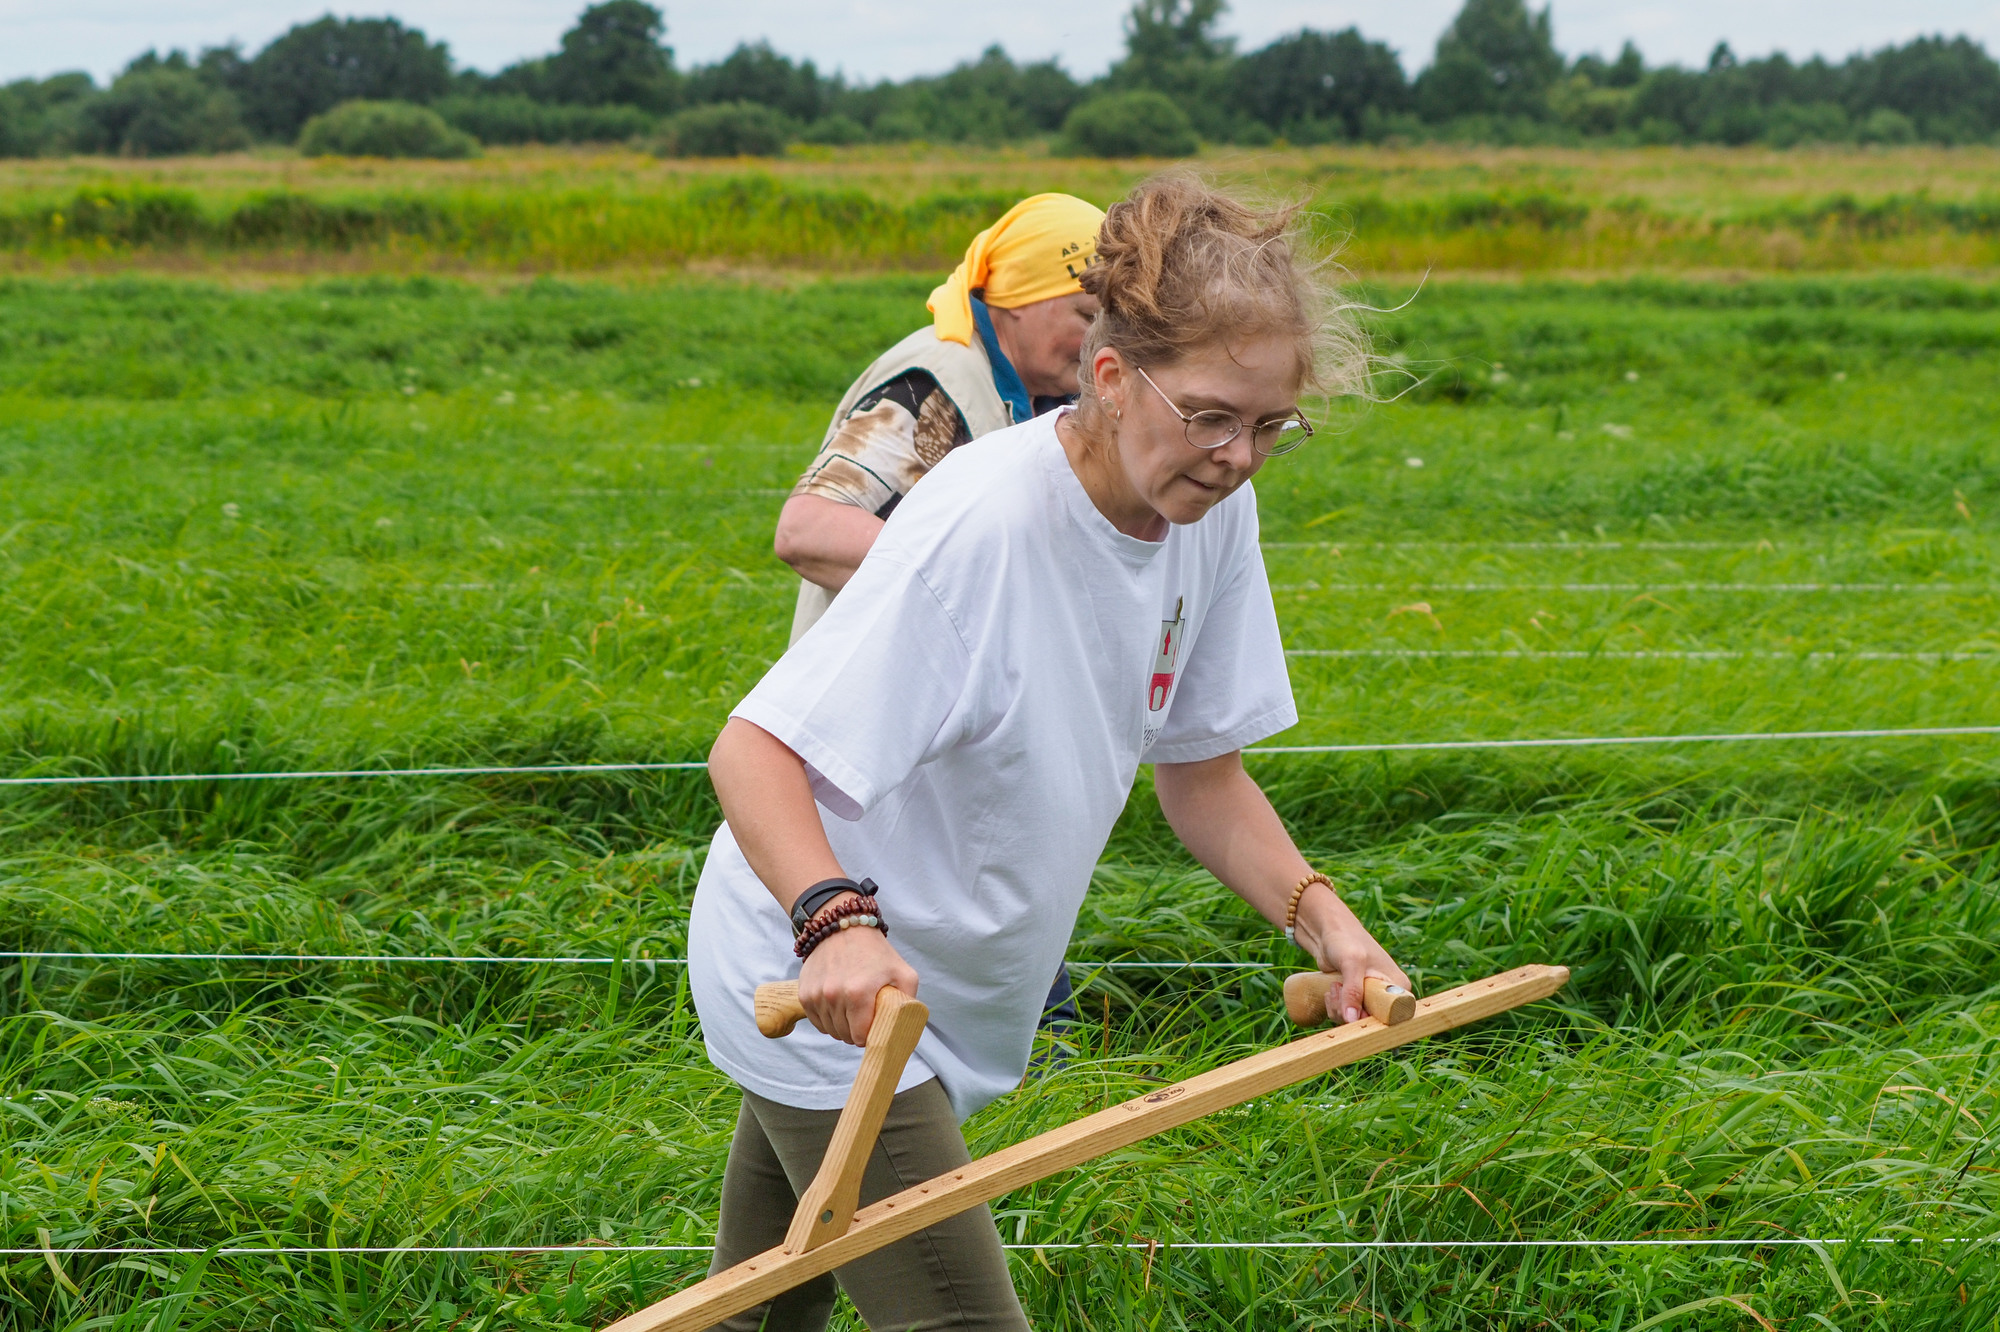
x=1182 y=265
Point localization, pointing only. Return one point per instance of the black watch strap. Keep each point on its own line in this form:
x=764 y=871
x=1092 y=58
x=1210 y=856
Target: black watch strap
x=809 y=902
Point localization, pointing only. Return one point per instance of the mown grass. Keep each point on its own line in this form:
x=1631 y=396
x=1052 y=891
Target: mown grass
x=1405 y=210
x=233 y=541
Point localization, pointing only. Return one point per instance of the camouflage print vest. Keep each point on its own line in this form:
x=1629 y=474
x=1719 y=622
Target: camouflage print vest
x=966 y=377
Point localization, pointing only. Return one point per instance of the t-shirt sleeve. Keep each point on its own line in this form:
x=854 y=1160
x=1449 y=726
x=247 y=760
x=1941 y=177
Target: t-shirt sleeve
x=1234 y=689
x=873 y=690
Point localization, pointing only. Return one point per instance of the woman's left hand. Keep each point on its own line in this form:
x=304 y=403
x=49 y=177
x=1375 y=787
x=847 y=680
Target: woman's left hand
x=1221 y=815
x=1338 y=941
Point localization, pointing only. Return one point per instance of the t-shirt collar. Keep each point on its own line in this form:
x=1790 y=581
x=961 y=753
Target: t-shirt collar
x=1132 y=550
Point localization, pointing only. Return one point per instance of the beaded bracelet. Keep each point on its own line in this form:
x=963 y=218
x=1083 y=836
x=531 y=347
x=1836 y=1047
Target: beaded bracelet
x=1292 y=907
x=829 y=917
x=855 y=912
x=823 y=924
x=848 y=915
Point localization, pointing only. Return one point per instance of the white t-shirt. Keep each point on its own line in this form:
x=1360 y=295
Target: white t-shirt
x=972 y=711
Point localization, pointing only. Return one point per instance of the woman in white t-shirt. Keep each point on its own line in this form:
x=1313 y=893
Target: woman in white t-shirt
x=1058 y=603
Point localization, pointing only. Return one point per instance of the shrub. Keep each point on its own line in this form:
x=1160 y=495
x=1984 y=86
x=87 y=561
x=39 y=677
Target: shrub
x=1656 y=130
x=1133 y=124
x=1792 y=124
x=515 y=119
x=725 y=129
x=1886 y=126
x=901 y=126
x=835 y=129
x=383 y=129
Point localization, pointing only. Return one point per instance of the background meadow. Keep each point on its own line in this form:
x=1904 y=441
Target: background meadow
x=817 y=209
x=395 y=503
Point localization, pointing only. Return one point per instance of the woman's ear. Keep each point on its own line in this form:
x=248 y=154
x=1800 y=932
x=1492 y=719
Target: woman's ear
x=1109 y=380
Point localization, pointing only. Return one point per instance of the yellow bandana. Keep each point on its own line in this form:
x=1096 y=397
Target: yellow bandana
x=1035 y=252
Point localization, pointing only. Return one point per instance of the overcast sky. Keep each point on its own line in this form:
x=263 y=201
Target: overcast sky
x=896 y=38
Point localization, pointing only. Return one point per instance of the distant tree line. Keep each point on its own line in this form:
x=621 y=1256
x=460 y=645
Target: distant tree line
x=1495 y=77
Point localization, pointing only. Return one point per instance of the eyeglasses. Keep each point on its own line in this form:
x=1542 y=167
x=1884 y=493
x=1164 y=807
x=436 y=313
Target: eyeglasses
x=1212 y=429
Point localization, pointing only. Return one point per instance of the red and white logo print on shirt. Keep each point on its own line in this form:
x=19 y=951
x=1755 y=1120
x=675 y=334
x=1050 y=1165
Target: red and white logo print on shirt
x=1162 y=684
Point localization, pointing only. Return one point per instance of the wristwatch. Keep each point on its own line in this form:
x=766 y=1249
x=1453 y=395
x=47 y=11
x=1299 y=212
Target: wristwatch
x=812 y=899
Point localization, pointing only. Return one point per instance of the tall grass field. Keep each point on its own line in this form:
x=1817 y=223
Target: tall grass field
x=391 y=520
x=1407 y=210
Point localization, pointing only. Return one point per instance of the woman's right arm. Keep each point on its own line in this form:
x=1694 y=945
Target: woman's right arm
x=768 y=803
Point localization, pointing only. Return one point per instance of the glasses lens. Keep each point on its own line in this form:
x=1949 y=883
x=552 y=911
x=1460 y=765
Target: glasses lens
x=1282 y=437
x=1211 y=430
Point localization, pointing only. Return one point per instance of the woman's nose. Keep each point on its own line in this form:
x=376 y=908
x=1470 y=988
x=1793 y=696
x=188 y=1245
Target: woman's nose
x=1239 y=454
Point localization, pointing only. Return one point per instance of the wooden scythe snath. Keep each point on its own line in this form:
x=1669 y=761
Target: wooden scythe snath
x=828 y=1230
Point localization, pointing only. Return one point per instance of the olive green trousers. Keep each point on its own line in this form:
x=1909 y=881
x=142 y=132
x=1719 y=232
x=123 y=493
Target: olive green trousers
x=951 y=1276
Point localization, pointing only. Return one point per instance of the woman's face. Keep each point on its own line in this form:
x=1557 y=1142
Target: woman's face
x=1043 y=340
x=1174 y=481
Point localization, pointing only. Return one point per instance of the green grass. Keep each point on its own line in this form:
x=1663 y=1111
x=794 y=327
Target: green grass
x=231 y=540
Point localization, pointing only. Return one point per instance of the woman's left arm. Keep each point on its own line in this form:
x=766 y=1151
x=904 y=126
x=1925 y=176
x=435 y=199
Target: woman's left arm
x=1222 y=816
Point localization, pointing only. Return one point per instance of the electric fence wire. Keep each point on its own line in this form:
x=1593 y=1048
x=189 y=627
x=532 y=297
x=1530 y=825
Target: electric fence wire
x=479 y=770
x=539 y=769
x=38 y=955
x=1159 y=1246
x=1954 y=589
x=1641 y=654
x=1518 y=545
x=474 y=960
x=1586 y=741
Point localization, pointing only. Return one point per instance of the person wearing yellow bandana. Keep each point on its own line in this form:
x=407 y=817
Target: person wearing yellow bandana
x=1007 y=327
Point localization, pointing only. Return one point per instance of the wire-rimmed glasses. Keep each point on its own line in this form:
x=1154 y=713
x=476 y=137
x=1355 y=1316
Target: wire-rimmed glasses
x=1213 y=428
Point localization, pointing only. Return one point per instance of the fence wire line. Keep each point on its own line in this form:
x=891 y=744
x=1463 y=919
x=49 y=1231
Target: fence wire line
x=97 y=779
x=1960 y=589
x=1519 y=545
x=1578 y=742
x=1160 y=1246
x=1082 y=964
x=1641 y=654
x=483 y=770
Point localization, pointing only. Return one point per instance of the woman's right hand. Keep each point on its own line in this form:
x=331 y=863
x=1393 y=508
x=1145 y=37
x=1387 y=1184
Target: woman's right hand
x=839 y=981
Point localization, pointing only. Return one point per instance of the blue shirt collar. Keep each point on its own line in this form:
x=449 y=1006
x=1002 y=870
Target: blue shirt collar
x=1005 y=379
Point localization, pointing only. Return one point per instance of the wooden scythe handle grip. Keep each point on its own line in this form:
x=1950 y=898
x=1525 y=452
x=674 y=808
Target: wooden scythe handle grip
x=778 y=1008
x=1306 y=991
